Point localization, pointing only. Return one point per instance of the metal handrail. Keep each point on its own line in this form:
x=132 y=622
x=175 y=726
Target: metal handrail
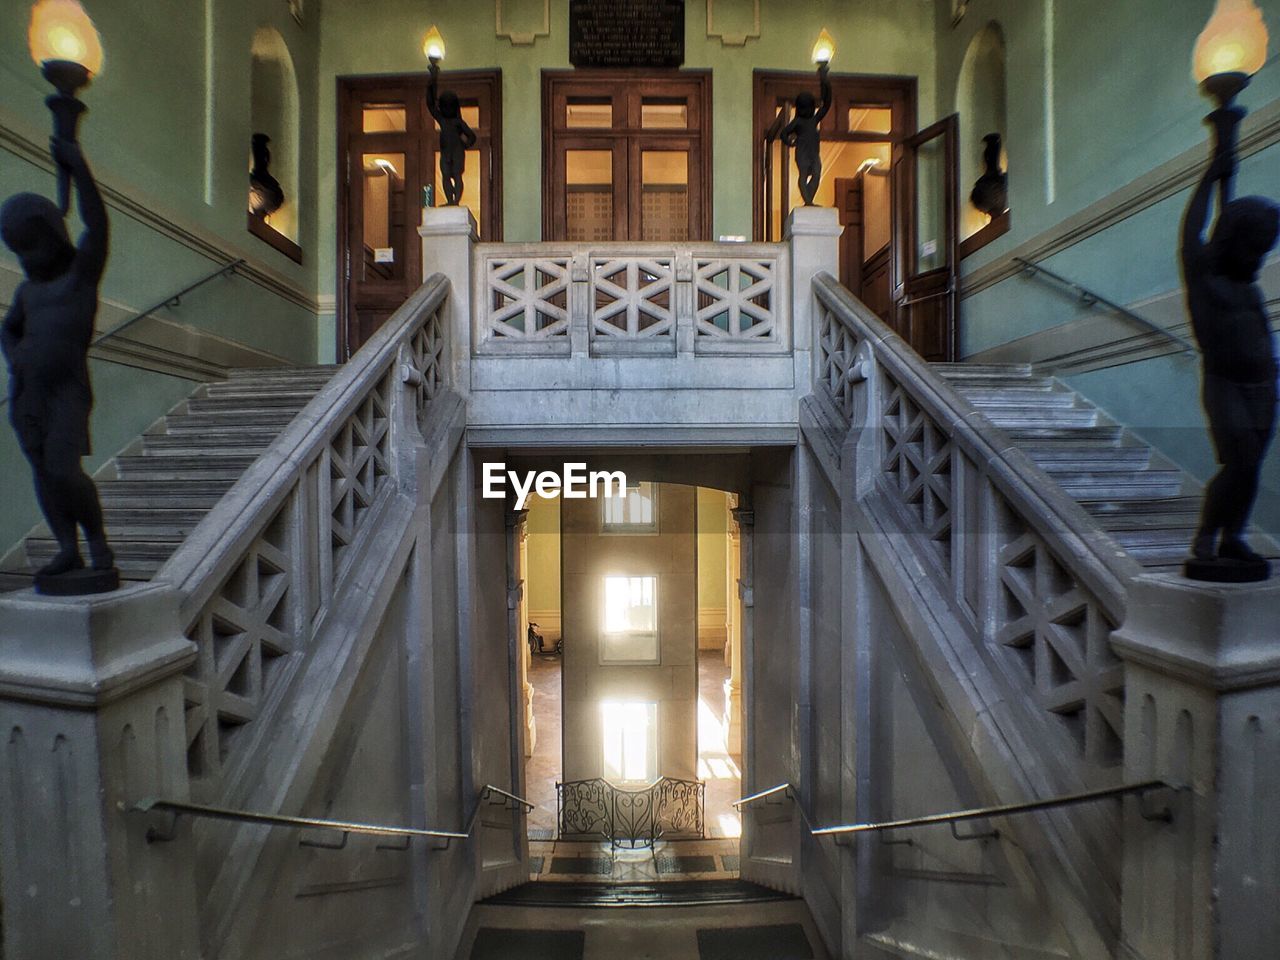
x=178 y=808
x=1090 y=298
x=171 y=301
x=973 y=813
x=227 y=269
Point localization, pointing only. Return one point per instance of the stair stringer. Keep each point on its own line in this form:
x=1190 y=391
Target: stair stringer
x=285 y=767
x=1006 y=744
x=1000 y=743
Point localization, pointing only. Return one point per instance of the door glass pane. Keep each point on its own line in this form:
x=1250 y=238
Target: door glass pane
x=930 y=214
x=870 y=118
x=470 y=187
x=384 y=216
x=664 y=195
x=589 y=195
x=384 y=118
x=657 y=113
x=588 y=112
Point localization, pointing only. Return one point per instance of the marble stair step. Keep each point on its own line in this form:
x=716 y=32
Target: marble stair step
x=208 y=466
x=968 y=371
x=270 y=422
x=291 y=400
x=1021 y=416
x=311 y=371
x=1121 y=485
x=196 y=443
x=183 y=492
x=1006 y=395
x=1094 y=458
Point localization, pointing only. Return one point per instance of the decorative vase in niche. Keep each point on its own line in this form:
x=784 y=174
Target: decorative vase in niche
x=266 y=196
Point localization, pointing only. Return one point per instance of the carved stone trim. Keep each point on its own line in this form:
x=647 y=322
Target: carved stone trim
x=733 y=39
x=520 y=38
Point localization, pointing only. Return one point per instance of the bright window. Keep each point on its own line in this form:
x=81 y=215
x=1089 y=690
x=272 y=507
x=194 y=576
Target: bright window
x=637 y=511
x=629 y=633
x=630 y=740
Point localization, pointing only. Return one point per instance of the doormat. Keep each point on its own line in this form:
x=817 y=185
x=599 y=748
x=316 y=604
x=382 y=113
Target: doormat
x=601 y=866
x=495 y=943
x=689 y=864
x=784 y=941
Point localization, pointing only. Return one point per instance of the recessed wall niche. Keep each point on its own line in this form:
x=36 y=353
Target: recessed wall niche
x=274 y=111
x=981 y=101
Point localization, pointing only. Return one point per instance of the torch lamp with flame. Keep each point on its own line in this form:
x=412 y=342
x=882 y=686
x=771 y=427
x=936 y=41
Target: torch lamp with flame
x=1232 y=48
x=64 y=42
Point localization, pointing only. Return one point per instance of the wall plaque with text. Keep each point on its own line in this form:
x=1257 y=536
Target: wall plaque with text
x=626 y=33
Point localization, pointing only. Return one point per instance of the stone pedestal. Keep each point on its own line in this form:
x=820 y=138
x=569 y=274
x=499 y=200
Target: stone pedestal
x=1202 y=709
x=814 y=236
x=91 y=712
x=448 y=234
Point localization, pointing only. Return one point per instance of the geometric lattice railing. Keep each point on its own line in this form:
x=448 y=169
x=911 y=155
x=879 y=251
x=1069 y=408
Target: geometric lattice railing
x=261 y=567
x=1038 y=584
x=631 y=297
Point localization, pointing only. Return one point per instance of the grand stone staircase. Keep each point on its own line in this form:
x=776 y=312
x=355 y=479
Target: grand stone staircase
x=1147 y=504
x=155 y=492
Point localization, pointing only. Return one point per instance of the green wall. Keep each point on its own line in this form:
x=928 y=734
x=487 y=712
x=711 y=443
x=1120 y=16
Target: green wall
x=872 y=36
x=167 y=130
x=1108 y=100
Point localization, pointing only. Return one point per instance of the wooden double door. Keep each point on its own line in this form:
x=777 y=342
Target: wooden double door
x=626 y=156
x=895 y=189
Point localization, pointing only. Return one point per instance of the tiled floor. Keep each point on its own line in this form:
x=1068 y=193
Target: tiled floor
x=675 y=860
x=756 y=931
x=716 y=766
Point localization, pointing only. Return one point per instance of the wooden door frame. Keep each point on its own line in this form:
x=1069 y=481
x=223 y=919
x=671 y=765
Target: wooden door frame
x=900 y=92
x=348 y=90
x=904 y=257
x=611 y=82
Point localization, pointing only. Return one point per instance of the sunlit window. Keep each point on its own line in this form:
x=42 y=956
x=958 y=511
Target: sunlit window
x=635 y=512
x=630 y=740
x=629 y=632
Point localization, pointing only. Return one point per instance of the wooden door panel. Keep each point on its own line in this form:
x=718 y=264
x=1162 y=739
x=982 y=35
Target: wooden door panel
x=926 y=240
x=387 y=154
x=631 y=116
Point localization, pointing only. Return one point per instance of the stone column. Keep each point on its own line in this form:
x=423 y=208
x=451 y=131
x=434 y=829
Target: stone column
x=733 y=641
x=91 y=712
x=745 y=520
x=1202 y=709
x=448 y=234
x=814 y=236
x=526 y=655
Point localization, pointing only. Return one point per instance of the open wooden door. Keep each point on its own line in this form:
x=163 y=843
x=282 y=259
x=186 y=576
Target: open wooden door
x=926 y=238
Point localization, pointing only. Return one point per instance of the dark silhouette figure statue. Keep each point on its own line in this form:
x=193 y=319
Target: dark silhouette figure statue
x=456 y=137
x=802 y=133
x=266 y=196
x=46 y=337
x=1239 y=390
x=991 y=191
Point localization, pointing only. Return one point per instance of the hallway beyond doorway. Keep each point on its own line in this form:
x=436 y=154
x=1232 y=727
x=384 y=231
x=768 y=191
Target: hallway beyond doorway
x=716 y=766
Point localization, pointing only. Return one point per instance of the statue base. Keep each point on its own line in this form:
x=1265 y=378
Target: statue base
x=78 y=583
x=1226 y=570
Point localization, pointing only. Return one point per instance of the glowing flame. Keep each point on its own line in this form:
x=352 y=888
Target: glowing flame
x=433 y=44
x=824 y=48
x=61 y=30
x=1234 y=41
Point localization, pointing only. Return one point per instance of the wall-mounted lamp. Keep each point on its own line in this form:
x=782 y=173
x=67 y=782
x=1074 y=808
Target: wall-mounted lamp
x=65 y=43
x=433 y=45
x=824 y=48
x=1230 y=50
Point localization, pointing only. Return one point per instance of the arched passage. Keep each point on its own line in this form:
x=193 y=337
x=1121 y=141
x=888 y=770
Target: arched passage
x=981 y=100
x=274 y=110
